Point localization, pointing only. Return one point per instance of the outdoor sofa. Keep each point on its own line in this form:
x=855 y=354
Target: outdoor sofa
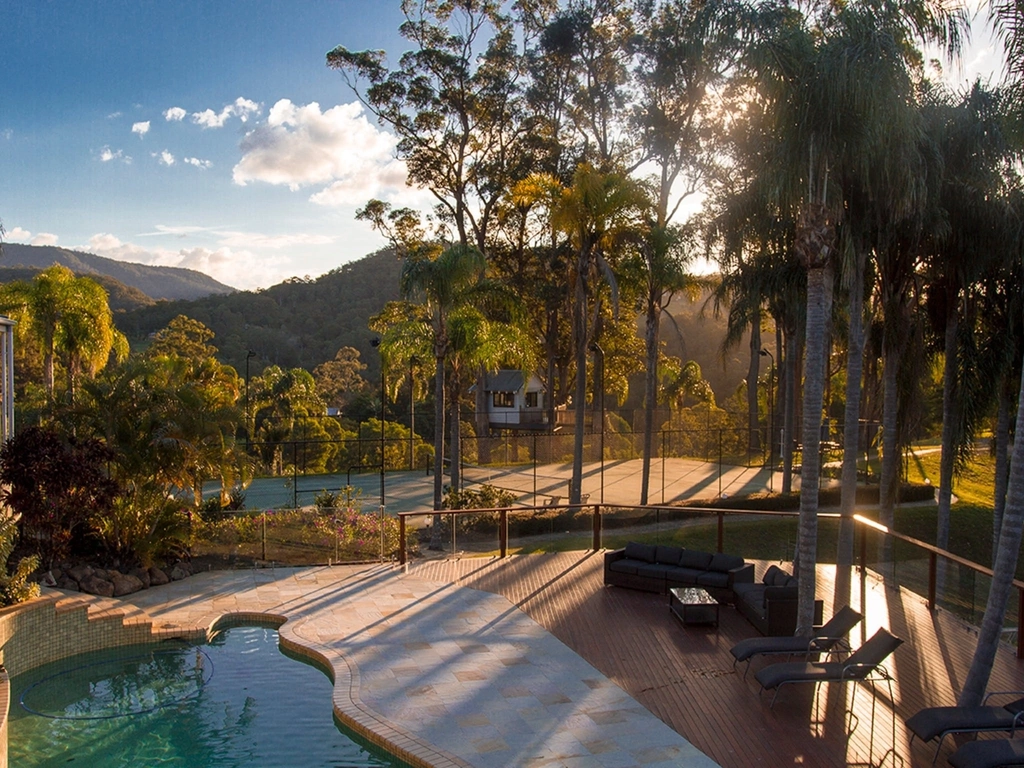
x=771 y=604
x=658 y=568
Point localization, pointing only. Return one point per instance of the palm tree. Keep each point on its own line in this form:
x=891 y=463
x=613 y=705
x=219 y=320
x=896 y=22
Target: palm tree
x=444 y=284
x=595 y=213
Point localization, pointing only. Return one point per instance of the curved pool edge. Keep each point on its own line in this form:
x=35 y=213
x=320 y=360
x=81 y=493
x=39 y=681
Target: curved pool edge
x=350 y=710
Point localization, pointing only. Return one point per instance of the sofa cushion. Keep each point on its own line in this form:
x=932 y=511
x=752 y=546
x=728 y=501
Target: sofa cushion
x=779 y=593
x=637 y=551
x=769 y=575
x=691 y=558
x=626 y=565
x=752 y=594
x=685 y=576
x=713 y=579
x=789 y=581
x=653 y=570
x=668 y=555
x=724 y=563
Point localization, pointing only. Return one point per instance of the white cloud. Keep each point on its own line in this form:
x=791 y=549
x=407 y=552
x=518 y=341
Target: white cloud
x=175 y=230
x=204 y=164
x=175 y=114
x=260 y=240
x=45 y=238
x=164 y=158
x=141 y=128
x=242 y=108
x=107 y=154
x=300 y=145
x=7 y=133
x=17 y=235
x=241 y=268
x=113 y=115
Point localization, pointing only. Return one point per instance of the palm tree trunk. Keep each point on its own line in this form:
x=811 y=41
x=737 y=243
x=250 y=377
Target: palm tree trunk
x=579 y=406
x=455 y=439
x=435 y=527
x=1003 y=570
x=1002 y=438
x=753 y=371
x=948 y=449
x=888 y=484
x=650 y=395
x=819 y=311
x=851 y=439
x=793 y=349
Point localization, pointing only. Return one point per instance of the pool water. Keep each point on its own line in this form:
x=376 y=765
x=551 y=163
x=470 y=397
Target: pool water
x=238 y=701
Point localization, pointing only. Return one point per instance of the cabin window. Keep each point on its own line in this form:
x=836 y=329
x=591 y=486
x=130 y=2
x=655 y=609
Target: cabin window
x=532 y=399
x=504 y=399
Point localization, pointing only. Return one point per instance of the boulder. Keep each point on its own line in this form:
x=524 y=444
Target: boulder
x=67 y=583
x=157 y=577
x=80 y=572
x=125 y=584
x=179 y=572
x=142 y=574
x=93 y=585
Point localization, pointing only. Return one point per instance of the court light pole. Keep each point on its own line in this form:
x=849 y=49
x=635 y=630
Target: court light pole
x=771 y=417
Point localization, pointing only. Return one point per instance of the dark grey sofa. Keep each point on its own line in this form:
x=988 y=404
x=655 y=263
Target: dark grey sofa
x=657 y=568
x=771 y=604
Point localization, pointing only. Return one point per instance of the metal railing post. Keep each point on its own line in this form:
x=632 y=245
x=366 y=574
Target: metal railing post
x=503 y=532
x=597 y=528
x=401 y=539
x=863 y=582
x=933 y=560
x=1020 y=623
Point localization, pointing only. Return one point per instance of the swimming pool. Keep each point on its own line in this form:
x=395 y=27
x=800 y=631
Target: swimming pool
x=235 y=701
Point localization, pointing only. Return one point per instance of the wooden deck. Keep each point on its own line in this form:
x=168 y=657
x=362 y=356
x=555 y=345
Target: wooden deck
x=685 y=676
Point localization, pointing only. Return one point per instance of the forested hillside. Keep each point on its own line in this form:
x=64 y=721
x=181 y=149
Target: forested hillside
x=123 y=298
x=298 y=323
x=158 y=282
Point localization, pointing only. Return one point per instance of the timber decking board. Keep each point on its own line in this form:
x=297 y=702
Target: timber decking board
x=685 y=675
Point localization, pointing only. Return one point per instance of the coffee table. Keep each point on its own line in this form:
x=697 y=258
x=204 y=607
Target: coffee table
x=693 y=605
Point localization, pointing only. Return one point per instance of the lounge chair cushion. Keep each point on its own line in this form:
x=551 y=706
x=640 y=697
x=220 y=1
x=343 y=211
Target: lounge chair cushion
x=687 y=576
x=989 y=753
x=668 y=555
x=713 y=579
x=753 y=646
x=637 y=551
x=626 y=565
x=653 y=570
x=936 y=721
x=724 y=563
x=775 y=675
x=691 y=558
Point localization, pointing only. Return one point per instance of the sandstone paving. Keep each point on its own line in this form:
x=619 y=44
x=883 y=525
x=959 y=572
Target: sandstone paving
x=445 y=675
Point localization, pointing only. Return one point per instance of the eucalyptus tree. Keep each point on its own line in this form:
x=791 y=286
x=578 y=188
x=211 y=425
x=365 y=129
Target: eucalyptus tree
x=454 y=102
x=683 y=52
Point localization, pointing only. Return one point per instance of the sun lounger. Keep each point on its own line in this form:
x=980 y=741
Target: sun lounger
x=863 y=664
x=989 y=753
x=827 y=639
x=939 y=722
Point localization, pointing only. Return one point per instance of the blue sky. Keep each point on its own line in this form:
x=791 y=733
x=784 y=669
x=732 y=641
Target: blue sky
x=208 y=135
x=201 y=134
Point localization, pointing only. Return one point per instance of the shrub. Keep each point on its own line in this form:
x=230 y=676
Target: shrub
x=14 y=587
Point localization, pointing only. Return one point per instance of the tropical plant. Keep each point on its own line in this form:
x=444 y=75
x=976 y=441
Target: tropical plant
x=16 y=586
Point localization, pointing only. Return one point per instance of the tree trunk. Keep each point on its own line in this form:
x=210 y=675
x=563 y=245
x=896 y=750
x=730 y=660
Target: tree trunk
x=579 y=406
x=1003 y=569
x=455 y=439
x=753 y=371
x=1002 y=438
x=435 y=527
x=819 y=311
x=650 y=396
x=946 y=462
x=793 y=348
x=851 y=439
x=888 y=484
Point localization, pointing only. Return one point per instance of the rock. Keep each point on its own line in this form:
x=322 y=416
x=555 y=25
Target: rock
x=80 y=572
x=142 y=574
x=93 y=585
x=48 y=579
x=67 y=583
x=125 y=584
x=157 y=577
x=179 y=572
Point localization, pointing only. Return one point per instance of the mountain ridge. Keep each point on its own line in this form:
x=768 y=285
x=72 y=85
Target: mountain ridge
x=170 y=283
